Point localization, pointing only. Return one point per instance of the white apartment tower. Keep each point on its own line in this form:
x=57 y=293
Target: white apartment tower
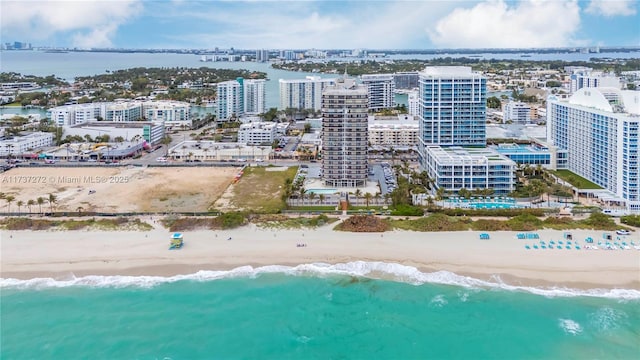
x=254 y=96
x=229 y=95
x=587 y=78
x=380 y=89
x=452 y=108
x=517 y=112
x=303 y=93
x=599 y=129
x=344 y=134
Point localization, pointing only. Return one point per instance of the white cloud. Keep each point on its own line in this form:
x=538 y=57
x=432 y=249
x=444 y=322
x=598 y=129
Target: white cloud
x=300 y=24
x=85 y=20
x=498 y=24
x=611 y=8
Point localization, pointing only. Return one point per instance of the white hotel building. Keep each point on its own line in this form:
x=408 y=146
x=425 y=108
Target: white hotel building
x=303 y=93
x=380 y=90
x=599 y=128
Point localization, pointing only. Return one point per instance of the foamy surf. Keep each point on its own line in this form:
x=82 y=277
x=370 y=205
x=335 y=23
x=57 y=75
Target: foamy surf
x=570 y=326
x=375 y=269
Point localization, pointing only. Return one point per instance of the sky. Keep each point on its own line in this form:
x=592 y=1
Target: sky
x=328 y=24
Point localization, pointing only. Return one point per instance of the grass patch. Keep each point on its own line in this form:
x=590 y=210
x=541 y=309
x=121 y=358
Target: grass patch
x=576 y=180
x=631 y=220
x=261 y=191
x=522 y=222
x=285 y=222
x=117 y=224
x=223 y=221
x=434 y=222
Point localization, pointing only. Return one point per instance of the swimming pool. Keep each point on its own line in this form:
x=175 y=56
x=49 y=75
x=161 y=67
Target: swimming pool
x=492 y=205
x=322 y=191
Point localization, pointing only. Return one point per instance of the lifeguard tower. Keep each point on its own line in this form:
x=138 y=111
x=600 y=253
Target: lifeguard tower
x=176 y=241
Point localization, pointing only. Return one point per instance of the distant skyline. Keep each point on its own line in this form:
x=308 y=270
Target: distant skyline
x=258 y=24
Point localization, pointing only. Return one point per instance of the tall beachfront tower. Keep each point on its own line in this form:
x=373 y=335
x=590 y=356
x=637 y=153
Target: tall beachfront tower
x=303 y=93
x=254 y=96
x=453 y=107
x=598 y=127
x=230 y=99
x=380 y=88
x=344 y=134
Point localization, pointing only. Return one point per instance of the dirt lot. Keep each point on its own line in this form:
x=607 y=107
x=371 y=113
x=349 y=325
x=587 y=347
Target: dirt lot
x=118 y=189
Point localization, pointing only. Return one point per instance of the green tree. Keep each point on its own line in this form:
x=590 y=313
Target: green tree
x=9 y=199
x=40 y=200
x=493 y=102
x=30 y=203
x=52 y=200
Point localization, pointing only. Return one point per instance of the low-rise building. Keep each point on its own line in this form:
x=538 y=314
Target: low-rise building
x=455 y=168
x=217 y=151
x=534 y=154
x=398 y=133
x=19 y=145
x=257 y=133
x=151 y=132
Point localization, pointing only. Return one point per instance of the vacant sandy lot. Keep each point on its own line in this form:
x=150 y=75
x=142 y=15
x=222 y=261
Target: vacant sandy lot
x=117 y=189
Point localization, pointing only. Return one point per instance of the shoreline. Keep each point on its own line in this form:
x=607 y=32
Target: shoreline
x=502 y=259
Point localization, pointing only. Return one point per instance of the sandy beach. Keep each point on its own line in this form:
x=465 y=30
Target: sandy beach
x=30 y=254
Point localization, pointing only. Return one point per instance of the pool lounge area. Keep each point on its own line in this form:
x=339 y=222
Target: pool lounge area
x=497 y=202
x=323 y=191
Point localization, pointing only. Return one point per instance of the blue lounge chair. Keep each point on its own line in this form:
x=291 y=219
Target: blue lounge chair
x=559 y=247
x=535 y=247
x=527 y=247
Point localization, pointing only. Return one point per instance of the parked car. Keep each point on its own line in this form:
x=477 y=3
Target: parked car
x=623 y=232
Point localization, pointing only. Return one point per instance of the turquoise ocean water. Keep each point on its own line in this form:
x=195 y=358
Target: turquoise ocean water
x=312 y=312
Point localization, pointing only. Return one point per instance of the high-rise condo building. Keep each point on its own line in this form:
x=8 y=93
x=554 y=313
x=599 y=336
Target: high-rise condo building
x=380 y=88
x=254 y=96
x=262 y=55
x=344 y=134
x=239 y=97
x=230 y=99
x=598 y=127
x=303 y=93
x=452 y=108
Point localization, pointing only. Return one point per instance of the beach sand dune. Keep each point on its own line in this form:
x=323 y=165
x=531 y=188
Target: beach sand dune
x=119 y=189
x=27 y=254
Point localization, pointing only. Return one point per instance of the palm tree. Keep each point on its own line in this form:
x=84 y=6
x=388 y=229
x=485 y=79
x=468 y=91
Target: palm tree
x=311 y=196
x=377 y=197
x=321 y=198
x=357 y=194
x=80 y=209
x=9 y=199
x=40 y=200
x=52 y=200
x=190 y=155
x=303 y=193
x=30 y=203
x=367 y=198
x=19 y=204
